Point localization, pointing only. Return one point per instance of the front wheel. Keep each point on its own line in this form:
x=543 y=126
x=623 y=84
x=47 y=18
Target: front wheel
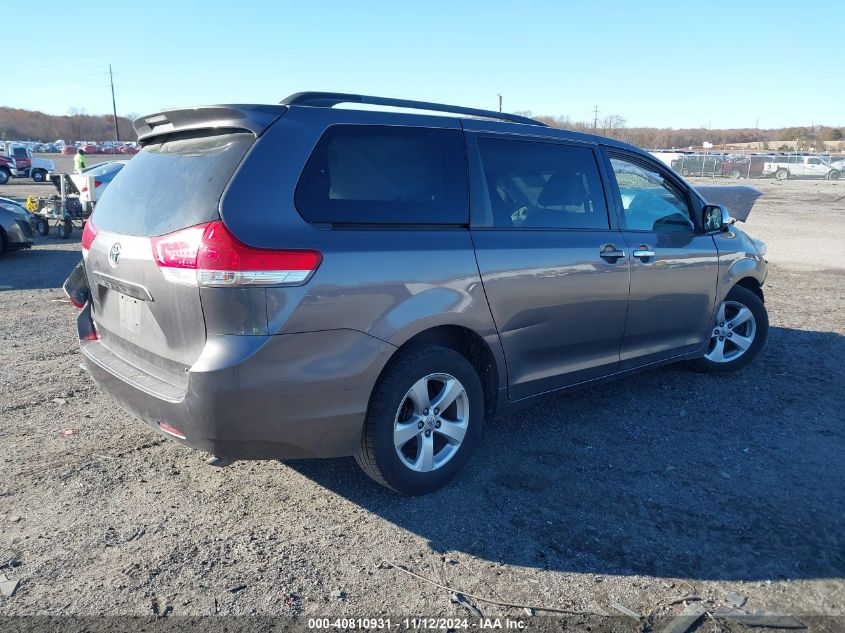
x=735 y=174
x=42 y=226
x=4 y=176
x=738 y=334
x=425 y=418
x=781 y=174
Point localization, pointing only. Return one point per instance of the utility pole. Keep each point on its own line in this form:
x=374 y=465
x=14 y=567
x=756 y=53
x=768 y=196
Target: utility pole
x=113 y=106
x=595 y=118
x=500 y=102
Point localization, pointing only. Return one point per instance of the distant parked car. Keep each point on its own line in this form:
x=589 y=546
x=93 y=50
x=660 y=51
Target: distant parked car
x=17 y=226
x=745 y=166
x=90 y=148
x=103 y=173
x=698 y=164
x=69 y=150
x=784 y=167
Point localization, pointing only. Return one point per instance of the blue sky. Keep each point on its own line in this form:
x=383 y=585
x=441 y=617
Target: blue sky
x=667 y=64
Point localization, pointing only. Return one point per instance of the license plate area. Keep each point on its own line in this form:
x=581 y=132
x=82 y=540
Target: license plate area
x=129 y=312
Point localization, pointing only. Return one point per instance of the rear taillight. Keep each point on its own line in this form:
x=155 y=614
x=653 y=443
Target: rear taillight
x=209 y=255
x=89 y=233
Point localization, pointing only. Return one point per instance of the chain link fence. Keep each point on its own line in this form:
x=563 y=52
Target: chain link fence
x=737 y=166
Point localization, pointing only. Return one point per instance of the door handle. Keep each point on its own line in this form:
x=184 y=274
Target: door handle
x=611 y=253
x=643 y=252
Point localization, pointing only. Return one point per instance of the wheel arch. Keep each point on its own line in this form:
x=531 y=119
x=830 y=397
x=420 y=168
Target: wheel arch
x=753 y=285
x=468 y=344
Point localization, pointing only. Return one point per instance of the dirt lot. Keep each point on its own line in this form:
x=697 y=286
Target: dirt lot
x=639 y=492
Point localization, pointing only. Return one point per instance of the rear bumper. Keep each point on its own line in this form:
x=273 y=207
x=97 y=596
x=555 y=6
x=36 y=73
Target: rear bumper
x=256 y=397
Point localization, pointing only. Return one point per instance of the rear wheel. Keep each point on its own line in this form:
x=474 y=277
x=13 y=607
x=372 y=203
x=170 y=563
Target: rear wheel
x=735 y=174
x=425 y=418
x=739 y=333
x=685 y=172
x=781 y=174
x=42 y=226
x=834 y=175
x=39 y=175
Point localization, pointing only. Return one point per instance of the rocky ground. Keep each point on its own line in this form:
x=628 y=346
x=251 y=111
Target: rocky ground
x=725 y=490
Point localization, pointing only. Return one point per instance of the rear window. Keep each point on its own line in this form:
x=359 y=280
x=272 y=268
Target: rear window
x=370 y=174
x=171 y=184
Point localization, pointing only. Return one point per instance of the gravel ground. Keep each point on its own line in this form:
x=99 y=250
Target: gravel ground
x=639 y=492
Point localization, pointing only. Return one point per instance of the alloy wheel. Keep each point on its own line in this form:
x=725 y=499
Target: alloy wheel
x=733 y=333
x=431 y=422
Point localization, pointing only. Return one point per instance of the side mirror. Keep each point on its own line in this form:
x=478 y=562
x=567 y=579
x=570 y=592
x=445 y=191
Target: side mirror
x=715 y=218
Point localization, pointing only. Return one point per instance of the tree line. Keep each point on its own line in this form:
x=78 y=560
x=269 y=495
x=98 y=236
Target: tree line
x=615 y=126
x=27 y=125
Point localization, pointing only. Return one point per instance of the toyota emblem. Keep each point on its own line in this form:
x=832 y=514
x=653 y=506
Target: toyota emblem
x=114 y=255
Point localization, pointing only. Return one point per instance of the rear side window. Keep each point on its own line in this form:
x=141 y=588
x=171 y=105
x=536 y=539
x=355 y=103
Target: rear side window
x=172 y=184
x=542 y=185
x=371 y=174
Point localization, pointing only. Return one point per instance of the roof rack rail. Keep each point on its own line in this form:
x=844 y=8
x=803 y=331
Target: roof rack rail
x=329 y=99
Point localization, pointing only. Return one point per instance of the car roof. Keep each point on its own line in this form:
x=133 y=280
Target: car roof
x=258 y=117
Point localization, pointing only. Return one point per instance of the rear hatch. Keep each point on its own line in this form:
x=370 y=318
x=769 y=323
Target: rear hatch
x=146 y=308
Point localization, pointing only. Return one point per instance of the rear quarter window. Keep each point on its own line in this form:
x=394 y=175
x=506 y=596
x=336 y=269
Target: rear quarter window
x=172 y=184
x=370 y=174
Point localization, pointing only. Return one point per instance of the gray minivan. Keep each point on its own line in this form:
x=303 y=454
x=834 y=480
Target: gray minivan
x=299 y=280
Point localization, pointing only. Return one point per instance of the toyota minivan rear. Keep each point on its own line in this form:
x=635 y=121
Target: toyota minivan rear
x=176 y=326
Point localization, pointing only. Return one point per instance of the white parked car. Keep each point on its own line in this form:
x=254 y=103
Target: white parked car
x=800 y=167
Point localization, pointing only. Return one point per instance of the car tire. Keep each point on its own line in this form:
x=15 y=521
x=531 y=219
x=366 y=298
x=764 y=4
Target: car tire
x=781 y=174
x=5 y=176
x=741 y=317
x=685 y=172
x=39 y=175
x=735 y=174
x=66 y=229
x=403 y=438
x=42 y=226
x=834 y=175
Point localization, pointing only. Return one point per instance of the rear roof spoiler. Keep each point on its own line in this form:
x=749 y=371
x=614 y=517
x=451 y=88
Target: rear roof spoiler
x=331 y=99
x=250 y=118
